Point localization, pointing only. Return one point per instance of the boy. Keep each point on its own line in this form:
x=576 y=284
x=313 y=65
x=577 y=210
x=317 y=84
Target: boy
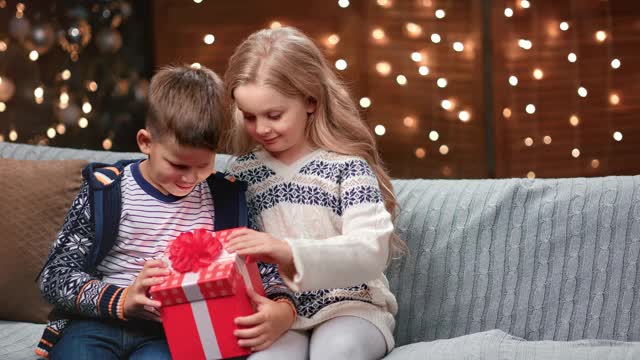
x=105 y=258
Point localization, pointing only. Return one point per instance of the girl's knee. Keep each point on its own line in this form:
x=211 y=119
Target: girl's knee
x=337 y=347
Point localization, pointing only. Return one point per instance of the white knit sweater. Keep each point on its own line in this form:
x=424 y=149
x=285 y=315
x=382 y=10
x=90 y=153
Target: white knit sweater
x=330 y=210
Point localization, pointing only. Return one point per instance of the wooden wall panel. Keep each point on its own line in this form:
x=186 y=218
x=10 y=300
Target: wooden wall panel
x=555 y=95
x=179 y=27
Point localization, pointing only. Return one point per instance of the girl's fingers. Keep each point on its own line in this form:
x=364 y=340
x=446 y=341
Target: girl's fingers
x=252 y=251
x=251 y=320
x=237 y=233
x=256 y=298
x=241 y=244
x=263 y=346
x=249 y=333
x=252 y=342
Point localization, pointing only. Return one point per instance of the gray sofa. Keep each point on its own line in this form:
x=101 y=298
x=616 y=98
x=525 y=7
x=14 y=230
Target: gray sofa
x=497 y=269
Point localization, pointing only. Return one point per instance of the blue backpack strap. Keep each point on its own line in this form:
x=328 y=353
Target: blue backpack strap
x=106 y=207
x=229 y=202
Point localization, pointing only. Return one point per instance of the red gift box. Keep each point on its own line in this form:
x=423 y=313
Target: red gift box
x=199 y=307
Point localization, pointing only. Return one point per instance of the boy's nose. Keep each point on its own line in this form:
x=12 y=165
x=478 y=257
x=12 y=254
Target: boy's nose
x=190 y=177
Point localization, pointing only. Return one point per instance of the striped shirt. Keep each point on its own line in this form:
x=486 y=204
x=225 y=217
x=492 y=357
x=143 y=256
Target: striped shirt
x=149 y=221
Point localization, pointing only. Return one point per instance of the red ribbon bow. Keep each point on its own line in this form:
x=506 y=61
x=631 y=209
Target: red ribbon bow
x=191 y=251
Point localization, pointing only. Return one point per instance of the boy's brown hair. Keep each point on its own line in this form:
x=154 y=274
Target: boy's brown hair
x=186 y=103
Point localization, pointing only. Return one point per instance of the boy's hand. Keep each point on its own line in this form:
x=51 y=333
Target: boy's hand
x=137 y=304
x=263 y=328
x=263 y=247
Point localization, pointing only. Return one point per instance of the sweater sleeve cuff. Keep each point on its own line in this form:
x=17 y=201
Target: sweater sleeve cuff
x=111 y=302
x=276 y=292
x=294 y=282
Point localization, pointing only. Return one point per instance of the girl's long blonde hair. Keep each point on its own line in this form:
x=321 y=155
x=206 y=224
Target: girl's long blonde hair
x=288 y=61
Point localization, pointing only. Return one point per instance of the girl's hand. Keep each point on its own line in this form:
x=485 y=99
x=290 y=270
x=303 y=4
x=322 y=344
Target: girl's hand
x=272 y=319
x=263 y=247
x=137 y=303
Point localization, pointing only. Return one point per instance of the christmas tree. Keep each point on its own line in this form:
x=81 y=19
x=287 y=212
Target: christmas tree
x=73 y=73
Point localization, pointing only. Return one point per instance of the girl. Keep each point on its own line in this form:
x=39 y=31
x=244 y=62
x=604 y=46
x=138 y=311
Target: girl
x=317 y=193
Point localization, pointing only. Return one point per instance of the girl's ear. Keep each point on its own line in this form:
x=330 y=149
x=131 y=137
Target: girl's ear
x=311 y=105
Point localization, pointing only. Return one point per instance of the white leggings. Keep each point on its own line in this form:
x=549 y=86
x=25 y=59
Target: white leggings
x=344 y=337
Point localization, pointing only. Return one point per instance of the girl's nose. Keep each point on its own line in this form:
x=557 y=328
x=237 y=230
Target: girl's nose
x=262 y=128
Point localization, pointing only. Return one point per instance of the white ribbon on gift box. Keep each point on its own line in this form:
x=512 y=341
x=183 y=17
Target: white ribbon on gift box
x=199 y=308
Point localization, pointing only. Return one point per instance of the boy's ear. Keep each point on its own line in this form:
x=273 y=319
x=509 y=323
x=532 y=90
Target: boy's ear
x=144 y=141
x=311 y=105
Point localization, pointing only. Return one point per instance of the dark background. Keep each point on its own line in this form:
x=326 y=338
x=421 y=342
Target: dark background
x=130 y=39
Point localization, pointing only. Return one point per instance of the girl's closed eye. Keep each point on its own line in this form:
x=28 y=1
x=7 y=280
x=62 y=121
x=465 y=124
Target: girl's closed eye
x=249 y=117
x=275 y=116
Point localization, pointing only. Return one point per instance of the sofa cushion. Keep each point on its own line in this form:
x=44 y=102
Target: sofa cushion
x=498 y=345
x=555 y=259
x=18 y=340
x=34 y=198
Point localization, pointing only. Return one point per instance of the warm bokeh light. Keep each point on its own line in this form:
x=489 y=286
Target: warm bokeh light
x=575 y=153
x=444 y=149
x=413 y=30
x=341 y=64
x=378 y=34
x=333 y=39
x=209 y=39
x=538 y=74
x=617 y=136
x=582 y=91
x=574 y=120
x=614 y=99
x=107 y=144
x=383 y=68
x=464 y=115
x=409 y=121
x=528 y=142
x=615 y=63
x=434 y=135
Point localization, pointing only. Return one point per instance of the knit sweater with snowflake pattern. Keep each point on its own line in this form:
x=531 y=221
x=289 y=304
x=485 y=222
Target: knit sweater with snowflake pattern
x=329 y=208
